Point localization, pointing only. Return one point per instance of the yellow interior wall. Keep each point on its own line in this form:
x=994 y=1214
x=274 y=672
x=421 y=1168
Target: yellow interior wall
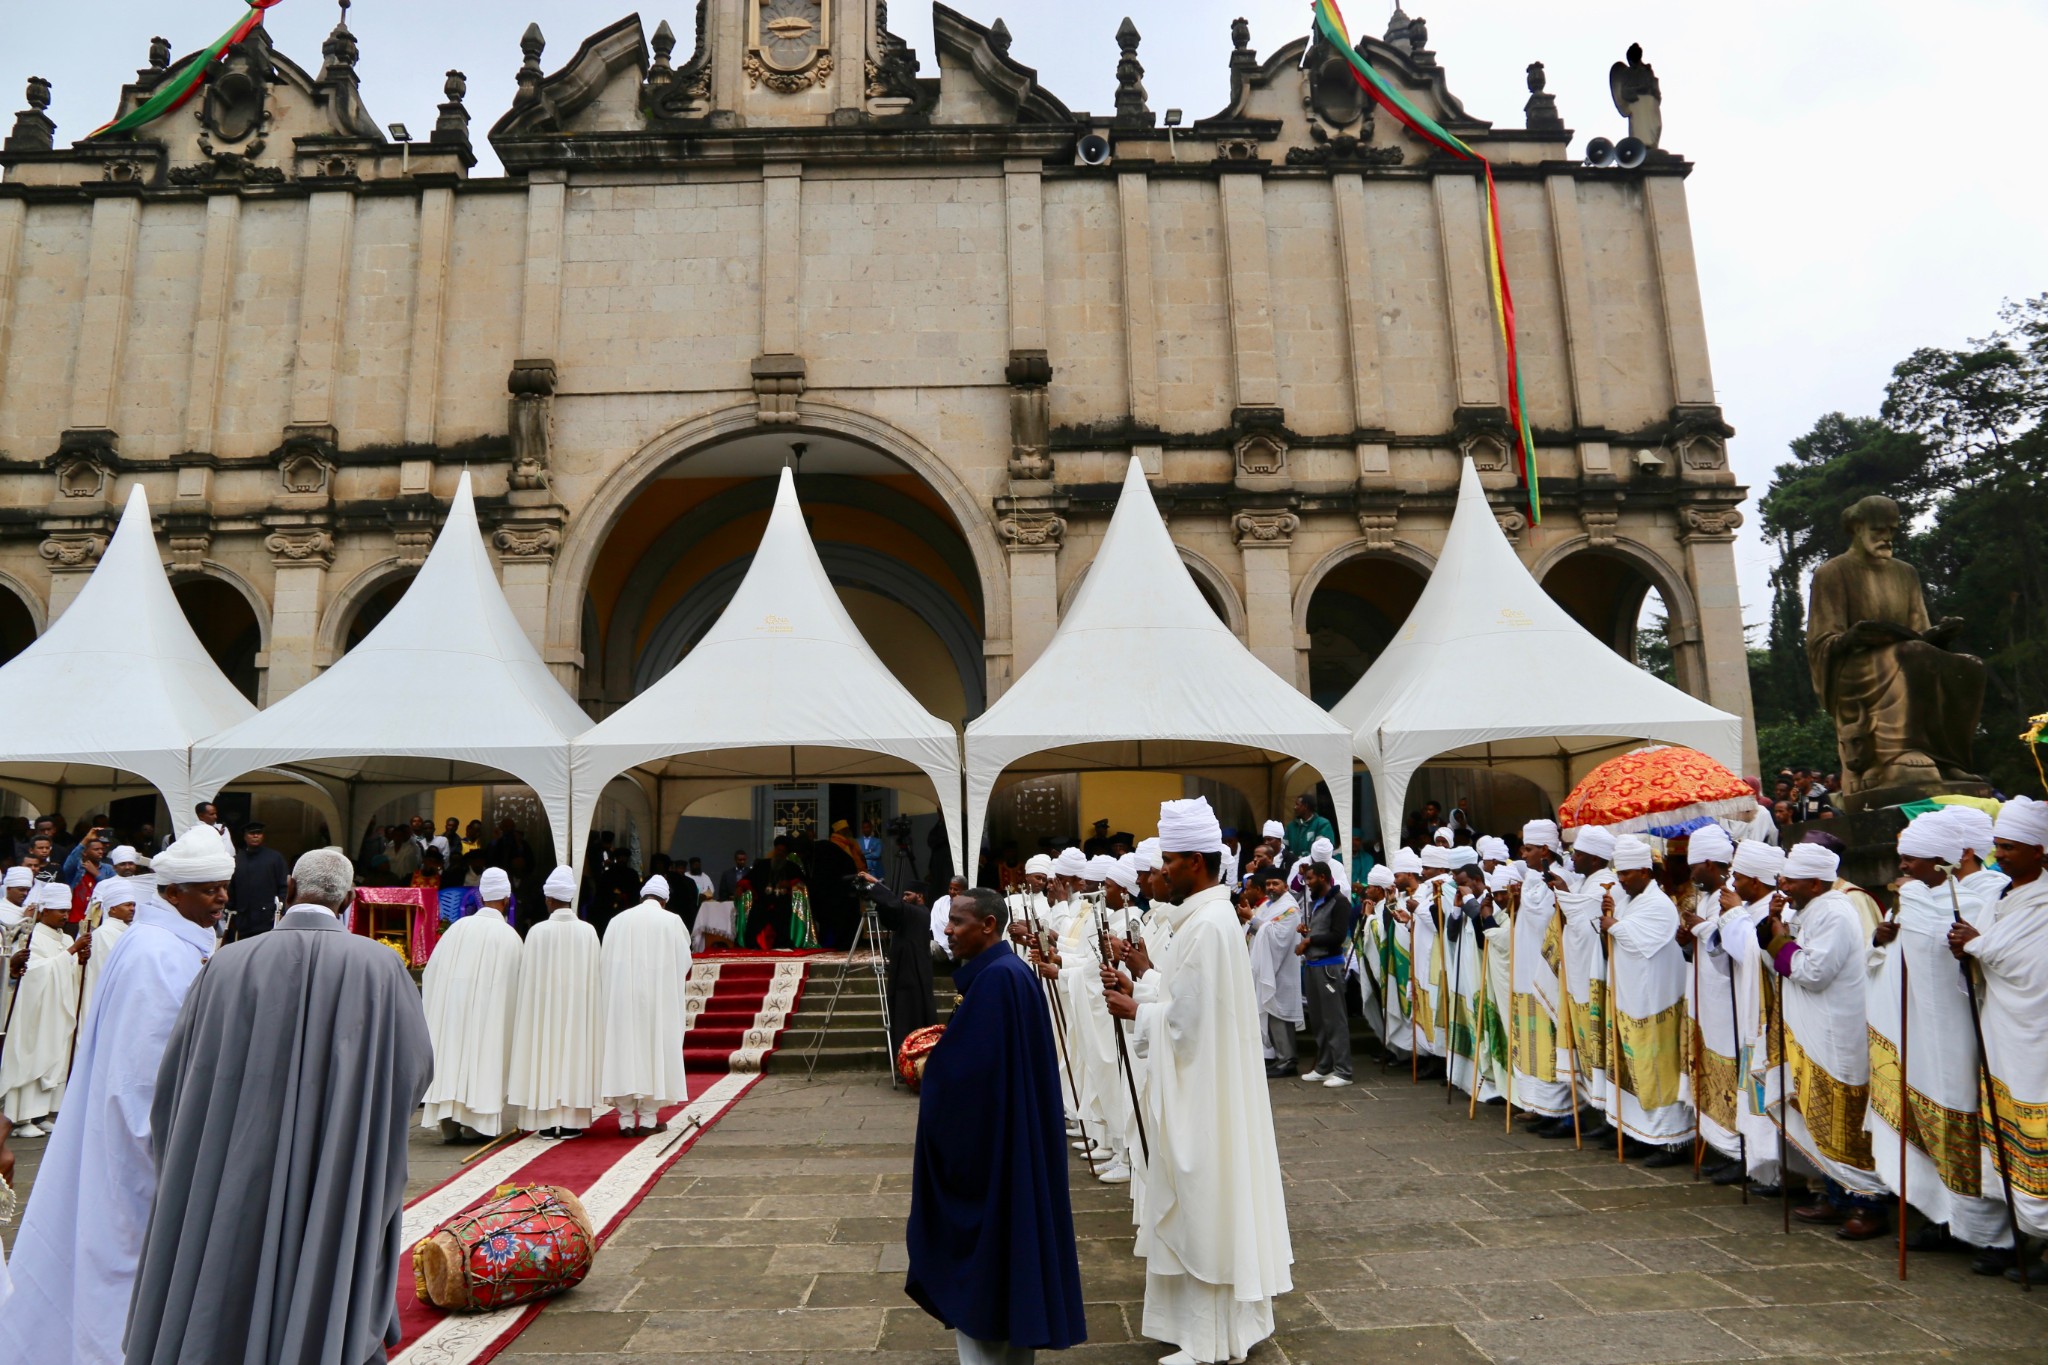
x=1129 y=801
x=736 y=804
x=463 y=803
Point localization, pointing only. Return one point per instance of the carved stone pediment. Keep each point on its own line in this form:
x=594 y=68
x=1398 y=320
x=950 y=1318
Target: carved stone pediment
x=985 y=53
x=568 y=100
x=1700 y=437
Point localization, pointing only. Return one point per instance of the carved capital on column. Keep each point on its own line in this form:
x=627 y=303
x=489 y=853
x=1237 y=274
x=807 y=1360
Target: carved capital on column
x=778 y=382
x=1378 y=517
x=73 y=551
x=532 y=386
x=1270 y=529
x=414 y=546
x=1033 y=532
x=1600 y=511
x=1030 y=376
x=1512 y=523
x=1708 y=521
x=527 y=542
x=189 y=544
x=310 y=545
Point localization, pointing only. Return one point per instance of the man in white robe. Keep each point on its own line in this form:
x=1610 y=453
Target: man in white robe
x=1916 y=998
x=471 y=994
x=81 y=1235
x=1394 y=957
x=1091 y=1040
x=1542 y=1054
x=1646 y=993
x=558 y=1032
x=1214 y=1230
x=1973 y=831
x=1712 y=1084
x=108 y=917
x=646 y=986
x=1744 y=904
x=2011 y=959
x=39 y=1038
x=1464 y=973
x=1430 y=989
x=1814 y=942
x=16 y=921
x=1583 y=969
x=1275 y=932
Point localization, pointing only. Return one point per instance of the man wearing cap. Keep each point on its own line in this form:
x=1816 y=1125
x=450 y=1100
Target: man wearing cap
x=1541 y=1085
x=1913 y=997
x=909 y=959
x=1213 y=1229
x=16 y=920
x=1814 y=942
x=1712 y=1082
x=1366 y=953
x=2011 y=959
x=81 y=1234
x=1647 y=980
x=256 y=895
x=470 y=991
x=1590 y=881
x=1091 y=1041
x=558 y=1030
x=1097 y=843
x=47 y=975
x=646 y=959
x=1306 y=827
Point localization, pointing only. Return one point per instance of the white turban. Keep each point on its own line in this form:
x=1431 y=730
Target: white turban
x=1930 y=836
x=656 y=887
x=113 y=891
x=1070 y=863
x=1404 y=860
x=1972 y=826
x=1099 y=868
x=494 y=885
x=1463 y=857
x=1444 y=836
x=1755 y=858
x=1038 y=864
x=1124 y=871
x=1631 y=853
x=1272 y=829
x=1710 y=844
x=1321 y=850
x=1148 y=855
x=196 y=859
x=1806 y=861
x=1500 y=879
x=1436 y=858
x=1595 y=841
x=1189 y=827
x=1492 y=850
x=560 y=885
x=53 y=896
x=20 y=876
x=2023 y=820
x=124 y=854
x=1381 y=875
x=1543 y=833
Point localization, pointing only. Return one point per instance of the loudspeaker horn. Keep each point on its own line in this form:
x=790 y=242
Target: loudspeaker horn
x=1630 y=153
x=1092 y=150
x=1599 y=152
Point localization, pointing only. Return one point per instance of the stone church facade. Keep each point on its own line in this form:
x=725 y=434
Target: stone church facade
x=789 y=239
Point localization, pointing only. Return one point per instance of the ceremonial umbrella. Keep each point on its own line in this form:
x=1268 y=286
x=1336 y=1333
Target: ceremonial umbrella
x=1655 y=788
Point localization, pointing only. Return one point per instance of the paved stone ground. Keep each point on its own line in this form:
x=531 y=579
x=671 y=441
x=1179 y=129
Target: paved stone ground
x=1419 y=1238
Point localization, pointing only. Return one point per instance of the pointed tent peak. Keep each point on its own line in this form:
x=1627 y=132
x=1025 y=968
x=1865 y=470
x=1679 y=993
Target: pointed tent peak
x=129 y=583
x=785 y=488
x=1138 y=562
x=786 y=592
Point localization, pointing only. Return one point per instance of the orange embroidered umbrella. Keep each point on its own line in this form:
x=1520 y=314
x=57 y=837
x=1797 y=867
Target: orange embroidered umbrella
x=1655 y=788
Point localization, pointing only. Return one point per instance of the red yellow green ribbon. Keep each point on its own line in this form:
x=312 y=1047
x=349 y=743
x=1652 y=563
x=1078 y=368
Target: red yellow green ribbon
x=1330 y=23
x=182 y=84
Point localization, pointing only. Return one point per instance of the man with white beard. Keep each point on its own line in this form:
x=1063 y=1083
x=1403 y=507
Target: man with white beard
x=646 y=976
x=1214 y=1227
x=471 y=994
x=558 y=1033
x=1646 y=975
x=1275 y=933
x=38 y=1055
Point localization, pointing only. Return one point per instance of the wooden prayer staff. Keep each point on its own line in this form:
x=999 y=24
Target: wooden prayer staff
x=1414 y=1014
x=1699 y=1133
x=1457 y=956
x=14 y=996
x=2012 y=1215
x=1613 y=1027
x=1905 y=1078
x=1507 y=1124
x=1123 y=1048
x=1387 y=923
x=1571 y=1031
x=78 y=1014
x=1059 y=1029
x=1742 y=1079
x=1784 y=1097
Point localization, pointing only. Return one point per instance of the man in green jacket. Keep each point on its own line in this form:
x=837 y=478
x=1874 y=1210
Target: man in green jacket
x=1305 y=828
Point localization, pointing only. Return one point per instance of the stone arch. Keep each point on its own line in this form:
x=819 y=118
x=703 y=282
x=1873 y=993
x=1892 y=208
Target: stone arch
x=1216 y=589
x=1346 y=629
x=592 y=524
x=253 y=681
x=349 y=602
x=1401 y=552
x=1680 y=607
x=22 y=616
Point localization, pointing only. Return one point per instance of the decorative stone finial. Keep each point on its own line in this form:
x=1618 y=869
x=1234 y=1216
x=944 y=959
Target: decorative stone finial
x=340 y=50
x=453 y=123
x=1418 y=42
x=1130 y=78
x=1240 y=34
x=999 y=37
x=38 y=93
x=1540 y=113
x=532 y=43
x=1397 y=26
x=159 y=54
x=664 y=49
x=34 y=130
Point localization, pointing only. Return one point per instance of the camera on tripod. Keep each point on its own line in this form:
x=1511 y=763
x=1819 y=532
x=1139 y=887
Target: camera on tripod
x=899 y=830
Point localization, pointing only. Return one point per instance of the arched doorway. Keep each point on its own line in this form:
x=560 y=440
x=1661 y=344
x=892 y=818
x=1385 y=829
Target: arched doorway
x=227 y=626
x=1353 y=613
x=1627 y=605
x=17 y=625
x=373 y=610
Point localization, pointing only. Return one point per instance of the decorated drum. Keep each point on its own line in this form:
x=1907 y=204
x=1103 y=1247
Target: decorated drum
x=523 y=1245
x=910 y=1058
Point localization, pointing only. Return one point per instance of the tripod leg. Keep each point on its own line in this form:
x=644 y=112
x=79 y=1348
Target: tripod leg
x=831 y=1008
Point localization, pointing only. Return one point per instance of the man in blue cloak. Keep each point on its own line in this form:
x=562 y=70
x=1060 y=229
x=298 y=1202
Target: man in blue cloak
x=991 y=1233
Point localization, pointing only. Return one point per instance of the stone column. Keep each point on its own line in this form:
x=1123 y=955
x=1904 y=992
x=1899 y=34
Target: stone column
x=430 y=291
x=1250 y=276
x=1265 y=537
x=300 y=555
x=1460 y=219
x=782 y=188
x=13 y=217
x=1707 y=529
x=1581 y=326
x=1141 y=316
x=1033 y=538
x=540 y=312
x=323 y=305
x=1361 y=318
x=103 y=324
x=209 y=325
x=1022 y=195
x=72 y=557
x=526 y=551
x=1685 y=324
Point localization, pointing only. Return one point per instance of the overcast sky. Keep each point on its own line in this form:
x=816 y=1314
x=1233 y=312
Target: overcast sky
x=1863 y=184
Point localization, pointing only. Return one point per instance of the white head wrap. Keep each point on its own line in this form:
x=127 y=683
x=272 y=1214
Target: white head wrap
x=1070 y=863
x=20 y=876
x=1189 y=827
x=1972 y=826
x=1755 y=858
x=1148 y=855
x=1463 y=856
x=1444 y=836
x=196 y=859
x=53 y=896
x=1381 y=875
x=1492 y=850
x=1544 y=833
x=1631 y=853
x=1099 y=868
x=1321 y=851
x=1404 y=860
x=1124 y=871
x=656 y=887
x=1272 y=829
x=1436 y=858
x=1038 y=864
x=124 y=854
x=2023 y=820
x=560 y=885
x=1595 y=841
x=1500 y=879
x=113 y=891
x=1930 y=836
x=1811 y=861
x=1709 y=844
x=494 y=885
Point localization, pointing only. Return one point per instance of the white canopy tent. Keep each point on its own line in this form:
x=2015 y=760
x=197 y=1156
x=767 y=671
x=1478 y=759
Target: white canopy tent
x=1142 y=675
x=117 y=689
x=1488 y=671
x=446 y=690
x=782 y=688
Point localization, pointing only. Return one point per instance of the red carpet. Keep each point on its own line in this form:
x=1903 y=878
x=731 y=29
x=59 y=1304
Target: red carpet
x=739 y=1008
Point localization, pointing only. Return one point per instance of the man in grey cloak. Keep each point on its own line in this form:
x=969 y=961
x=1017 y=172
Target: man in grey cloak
x=279 y=1131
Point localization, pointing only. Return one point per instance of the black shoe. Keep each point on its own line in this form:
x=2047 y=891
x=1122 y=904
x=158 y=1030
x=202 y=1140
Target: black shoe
x=1765 y=1191
x=1275 y=1072
x=2037 y=1273
x=1556 y=1128
x=1662 y=1158
x=1731 y=1174
x=1993 y=1261
x=1931 y=1238
x=1730 y=1168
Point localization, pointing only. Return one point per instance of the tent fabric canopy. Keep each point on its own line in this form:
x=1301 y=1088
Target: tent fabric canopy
x=782 y=688
x=119 y=683
x=1142 y=674
x=446 y=689
x=1489 y=671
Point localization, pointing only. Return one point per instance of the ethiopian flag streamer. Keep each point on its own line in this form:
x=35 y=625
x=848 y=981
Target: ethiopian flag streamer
x=178 y=87
x=1330 y=23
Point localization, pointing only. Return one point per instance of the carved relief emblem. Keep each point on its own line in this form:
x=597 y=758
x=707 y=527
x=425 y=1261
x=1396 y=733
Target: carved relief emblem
x=236 y=95
x=787 y=44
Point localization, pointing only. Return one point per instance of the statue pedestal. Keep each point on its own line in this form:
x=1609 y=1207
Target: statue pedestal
x=1877 y=798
